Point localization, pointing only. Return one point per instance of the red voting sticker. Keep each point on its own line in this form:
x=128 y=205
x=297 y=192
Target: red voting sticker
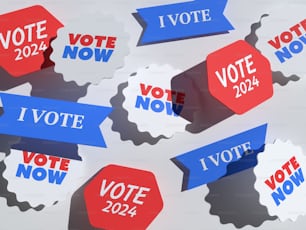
x=239 y=76
x=25 y=35
x=122 y=198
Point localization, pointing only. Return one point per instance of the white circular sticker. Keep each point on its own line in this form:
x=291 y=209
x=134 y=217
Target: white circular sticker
x=280 y=180
x=283 y=41
x=40 y=178
x=90 y=49
x=151 y=103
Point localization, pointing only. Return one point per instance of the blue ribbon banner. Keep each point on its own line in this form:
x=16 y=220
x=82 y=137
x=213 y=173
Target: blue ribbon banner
x=213 y=161
x=182 y=20
x=52 y=119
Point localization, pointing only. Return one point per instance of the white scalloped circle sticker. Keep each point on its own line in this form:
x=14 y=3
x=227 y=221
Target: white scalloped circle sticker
x=282 y=40
x=40 y=178
x=151 y=104
x=90 y=49
x=280 y=180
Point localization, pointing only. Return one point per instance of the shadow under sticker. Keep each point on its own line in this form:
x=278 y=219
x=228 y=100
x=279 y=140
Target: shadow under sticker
x=235 y=201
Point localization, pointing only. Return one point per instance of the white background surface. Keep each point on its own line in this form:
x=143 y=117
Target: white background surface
x=284 y=113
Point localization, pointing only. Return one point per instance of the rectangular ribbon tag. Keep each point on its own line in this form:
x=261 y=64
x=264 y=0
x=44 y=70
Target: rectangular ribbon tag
x=52 y=119
x=182 y=20
x=209 y=163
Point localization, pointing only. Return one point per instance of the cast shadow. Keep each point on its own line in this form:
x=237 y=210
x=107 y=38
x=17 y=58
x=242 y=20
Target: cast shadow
x=234 y=200
x=233 y=197
x=200 y=107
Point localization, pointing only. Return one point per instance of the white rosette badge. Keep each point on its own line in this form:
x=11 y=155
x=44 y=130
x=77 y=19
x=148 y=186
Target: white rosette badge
x=283 y=41
x=41 y=179
x=151 y=104
x=90 y=49
x=280 y=180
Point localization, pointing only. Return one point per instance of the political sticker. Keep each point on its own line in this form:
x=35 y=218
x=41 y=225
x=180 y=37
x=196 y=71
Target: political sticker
x=25 y=35
x=280 y=180
x=210 y=162
x=39 y=178
x=289 y=46
x=122 y=198
x=284 y=43
x=90 y=49
x=182 y=20
x=151 y=103
x=239 y=76
x=49 y=119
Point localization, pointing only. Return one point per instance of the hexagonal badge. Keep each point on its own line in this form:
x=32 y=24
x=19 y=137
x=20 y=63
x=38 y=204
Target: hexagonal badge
x=122 y=198
x=24 y=38
x=239 y=76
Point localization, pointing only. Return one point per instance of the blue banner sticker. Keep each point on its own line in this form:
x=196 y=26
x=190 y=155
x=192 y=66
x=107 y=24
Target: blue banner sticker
x=209 y=163
x=182 y=20
x=52 y=119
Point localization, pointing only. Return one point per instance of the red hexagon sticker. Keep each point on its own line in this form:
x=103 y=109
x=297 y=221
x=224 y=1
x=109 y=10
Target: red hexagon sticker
x=239 y=76
x=122 y=198
x=24 y=36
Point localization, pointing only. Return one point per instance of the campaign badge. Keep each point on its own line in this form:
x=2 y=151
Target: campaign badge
x=284 y=43
x=90 y=49
x=151 y=104
x=41 y=179
x=182 y=20
x=122 y=198
x=239 y=76
x=25 y=35
x=280 y=180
